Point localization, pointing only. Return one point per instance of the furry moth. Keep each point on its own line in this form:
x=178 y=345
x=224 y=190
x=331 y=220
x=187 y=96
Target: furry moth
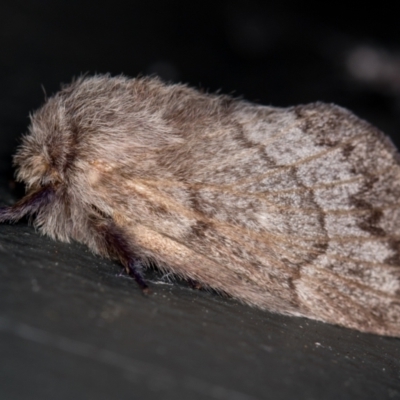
x=293 y=210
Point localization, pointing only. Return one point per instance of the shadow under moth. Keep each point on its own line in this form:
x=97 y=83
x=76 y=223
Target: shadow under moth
x=293 y=210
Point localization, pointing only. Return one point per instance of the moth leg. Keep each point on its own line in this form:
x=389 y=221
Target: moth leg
x=117 y=244
x=28 y=205
x=194 y=284
x=135 y=269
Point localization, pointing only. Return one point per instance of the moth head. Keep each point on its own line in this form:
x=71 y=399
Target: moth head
x=41 y=157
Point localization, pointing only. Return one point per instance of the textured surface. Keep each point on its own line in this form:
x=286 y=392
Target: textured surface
x=70 y=327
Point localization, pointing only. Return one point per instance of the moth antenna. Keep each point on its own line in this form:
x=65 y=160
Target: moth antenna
x=28 y=205
x=117 y=243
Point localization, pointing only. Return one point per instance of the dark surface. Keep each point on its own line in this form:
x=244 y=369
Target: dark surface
x=70 y=325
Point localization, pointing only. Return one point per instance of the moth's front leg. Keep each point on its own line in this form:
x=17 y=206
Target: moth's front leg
x=112 y=241
x=30 y=204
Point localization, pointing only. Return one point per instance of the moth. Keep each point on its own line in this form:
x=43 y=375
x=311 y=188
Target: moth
x=293 y=210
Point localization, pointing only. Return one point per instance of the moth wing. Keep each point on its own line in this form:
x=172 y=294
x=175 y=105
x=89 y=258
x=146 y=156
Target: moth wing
x=292 y=210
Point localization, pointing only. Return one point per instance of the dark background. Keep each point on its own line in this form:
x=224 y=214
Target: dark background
x=70 y=327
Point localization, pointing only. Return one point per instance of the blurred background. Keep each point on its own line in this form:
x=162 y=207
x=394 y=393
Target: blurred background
x=70 y=327
x=272 y=52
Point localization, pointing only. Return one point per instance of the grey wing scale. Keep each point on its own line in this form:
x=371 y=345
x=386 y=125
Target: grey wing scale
x=308 y=199
x=292 y=210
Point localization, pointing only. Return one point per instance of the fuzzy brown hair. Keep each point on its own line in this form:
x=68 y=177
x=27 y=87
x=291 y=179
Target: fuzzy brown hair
x=291 y=210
